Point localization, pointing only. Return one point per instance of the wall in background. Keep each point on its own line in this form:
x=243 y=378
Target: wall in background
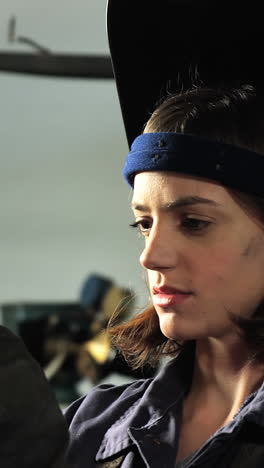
x=63 y=204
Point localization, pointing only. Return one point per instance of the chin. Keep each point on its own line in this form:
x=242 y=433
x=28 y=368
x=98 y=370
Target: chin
x=181 y=330
x=174 y=333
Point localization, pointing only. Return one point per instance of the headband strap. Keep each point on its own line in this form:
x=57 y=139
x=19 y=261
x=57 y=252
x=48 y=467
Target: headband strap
x=229 y=165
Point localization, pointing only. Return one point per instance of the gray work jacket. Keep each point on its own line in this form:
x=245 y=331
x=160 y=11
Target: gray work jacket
x=137 y=425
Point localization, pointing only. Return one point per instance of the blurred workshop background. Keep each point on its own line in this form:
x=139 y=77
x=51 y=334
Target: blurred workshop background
x=68 y=256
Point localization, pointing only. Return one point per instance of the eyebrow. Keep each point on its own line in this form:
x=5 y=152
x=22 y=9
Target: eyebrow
x=179 y=203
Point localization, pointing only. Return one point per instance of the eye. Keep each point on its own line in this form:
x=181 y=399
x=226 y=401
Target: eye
x=195 y=225
x=142 y=225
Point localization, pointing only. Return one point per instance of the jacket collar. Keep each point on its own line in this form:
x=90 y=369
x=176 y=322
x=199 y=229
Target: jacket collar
x=143 y=420
x=160 y=407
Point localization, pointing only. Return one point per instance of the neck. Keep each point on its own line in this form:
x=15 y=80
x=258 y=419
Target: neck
x=223 y=376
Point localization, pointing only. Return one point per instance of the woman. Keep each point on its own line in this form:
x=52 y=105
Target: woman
x=197 y=180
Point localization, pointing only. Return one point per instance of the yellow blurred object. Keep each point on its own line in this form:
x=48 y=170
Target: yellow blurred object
x=112 y=301
x=99 y=347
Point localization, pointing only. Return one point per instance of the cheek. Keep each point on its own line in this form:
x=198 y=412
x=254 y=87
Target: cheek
x=234 y=270
x=218 y=267
x=254 y=249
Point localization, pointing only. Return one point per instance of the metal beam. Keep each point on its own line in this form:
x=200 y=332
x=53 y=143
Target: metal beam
x=58 y=65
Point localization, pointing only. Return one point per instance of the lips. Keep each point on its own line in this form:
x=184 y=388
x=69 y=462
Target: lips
x=169 y=290
x=166 y=296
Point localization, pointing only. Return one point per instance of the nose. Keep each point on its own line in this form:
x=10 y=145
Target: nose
x=160 y=252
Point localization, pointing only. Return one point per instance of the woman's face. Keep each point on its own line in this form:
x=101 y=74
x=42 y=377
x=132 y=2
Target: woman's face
x=204 y=254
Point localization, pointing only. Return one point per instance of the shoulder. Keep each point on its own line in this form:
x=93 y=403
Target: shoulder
x=90 y=417
x=105 y=403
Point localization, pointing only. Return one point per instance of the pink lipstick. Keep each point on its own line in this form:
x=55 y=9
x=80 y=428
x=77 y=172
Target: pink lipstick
x=166 y=296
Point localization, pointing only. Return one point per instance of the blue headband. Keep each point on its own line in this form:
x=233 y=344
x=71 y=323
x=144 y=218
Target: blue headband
x=229 y=165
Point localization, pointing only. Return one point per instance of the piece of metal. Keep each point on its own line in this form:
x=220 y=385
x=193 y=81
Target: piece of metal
x=58 y=65
x=161 y=47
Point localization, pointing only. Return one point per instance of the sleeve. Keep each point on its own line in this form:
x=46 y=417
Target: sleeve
x=32 y=426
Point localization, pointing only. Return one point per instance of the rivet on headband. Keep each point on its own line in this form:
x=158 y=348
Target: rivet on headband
x=229 y=165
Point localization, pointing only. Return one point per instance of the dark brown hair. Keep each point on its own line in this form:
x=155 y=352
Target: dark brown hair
x=231 y=115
